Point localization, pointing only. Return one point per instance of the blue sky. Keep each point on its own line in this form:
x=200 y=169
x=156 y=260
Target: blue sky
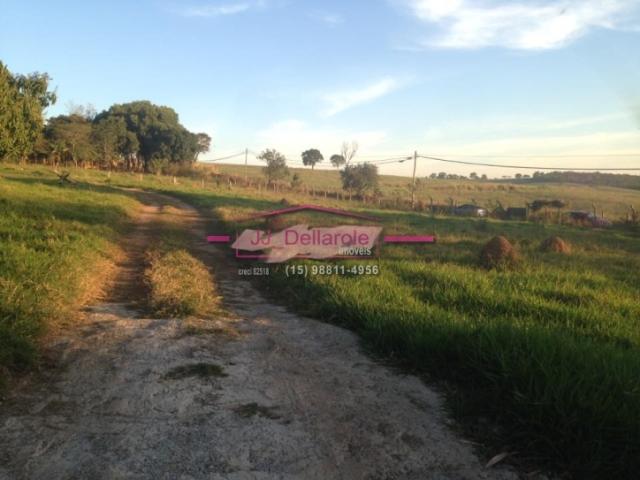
x=548 y=83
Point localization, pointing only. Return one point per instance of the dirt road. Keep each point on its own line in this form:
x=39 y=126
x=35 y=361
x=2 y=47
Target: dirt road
x=260 y=394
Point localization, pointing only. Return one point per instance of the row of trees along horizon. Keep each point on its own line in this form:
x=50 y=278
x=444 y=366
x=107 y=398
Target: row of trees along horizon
x=136 y=136
x=142 y=137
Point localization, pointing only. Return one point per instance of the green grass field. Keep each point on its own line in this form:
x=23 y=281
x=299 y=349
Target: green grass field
x=550 y=351
x=613 y=202
x=55 y=244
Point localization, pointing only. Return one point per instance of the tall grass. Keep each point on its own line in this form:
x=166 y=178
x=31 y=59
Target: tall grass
x=53 y=242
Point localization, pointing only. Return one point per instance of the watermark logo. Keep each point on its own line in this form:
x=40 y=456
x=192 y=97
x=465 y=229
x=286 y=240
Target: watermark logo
x=303 y=241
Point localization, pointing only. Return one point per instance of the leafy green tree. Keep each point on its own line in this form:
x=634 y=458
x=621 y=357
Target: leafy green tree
x=204 y=143
x=359 y=178
x=311 y=157
x=23 y=99
x=36 y=86
x=71 y=139
x=113 y=143
x=276 y=168
x=337 y=160
x=158 y=133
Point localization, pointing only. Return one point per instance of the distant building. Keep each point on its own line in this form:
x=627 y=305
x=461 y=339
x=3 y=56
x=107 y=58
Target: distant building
x=469 y=210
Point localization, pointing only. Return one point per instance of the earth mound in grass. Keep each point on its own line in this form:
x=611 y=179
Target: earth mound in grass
x=555 y=245
x=499 y=253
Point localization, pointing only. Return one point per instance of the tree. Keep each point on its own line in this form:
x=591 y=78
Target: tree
x=434 y=175
x=23 y=99
x=349 y=151
x=158 y=132
x=70 y=137
x=204 y=143
x=36 y=86
x=518 y=176
x=442 y=175
x=484 y=176
x=337 y=160
x=113 y=143
x=473 y=176
x=311 y=157
x=276 y=168
x=359 y=178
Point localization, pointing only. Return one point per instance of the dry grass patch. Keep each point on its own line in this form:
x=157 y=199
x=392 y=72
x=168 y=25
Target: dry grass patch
x=180 y=285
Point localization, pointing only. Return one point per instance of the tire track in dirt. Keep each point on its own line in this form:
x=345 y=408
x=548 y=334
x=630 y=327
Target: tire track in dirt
x=297 y=398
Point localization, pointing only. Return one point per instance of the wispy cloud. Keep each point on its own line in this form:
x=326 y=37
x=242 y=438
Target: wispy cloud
x=338 y=102
x=531 y=25
x=220 y=9
x=294 y=135
x=329 y=19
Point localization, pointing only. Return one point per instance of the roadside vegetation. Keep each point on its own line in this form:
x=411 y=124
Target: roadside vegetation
x=57 y=243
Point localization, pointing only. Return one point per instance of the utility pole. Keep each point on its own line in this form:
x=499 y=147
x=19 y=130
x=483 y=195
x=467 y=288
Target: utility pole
x=246 y=167
x=413 y=182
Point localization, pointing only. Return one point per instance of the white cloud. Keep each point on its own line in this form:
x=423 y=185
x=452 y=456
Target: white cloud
x=338 y=102
x=330 y=19
x=292 y=136
x=534 y=25
x=220 y=9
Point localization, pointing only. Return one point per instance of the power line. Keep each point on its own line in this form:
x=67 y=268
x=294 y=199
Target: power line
x=401 y=159
x=528 y=167
x=223 y=158
x=565 y=155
